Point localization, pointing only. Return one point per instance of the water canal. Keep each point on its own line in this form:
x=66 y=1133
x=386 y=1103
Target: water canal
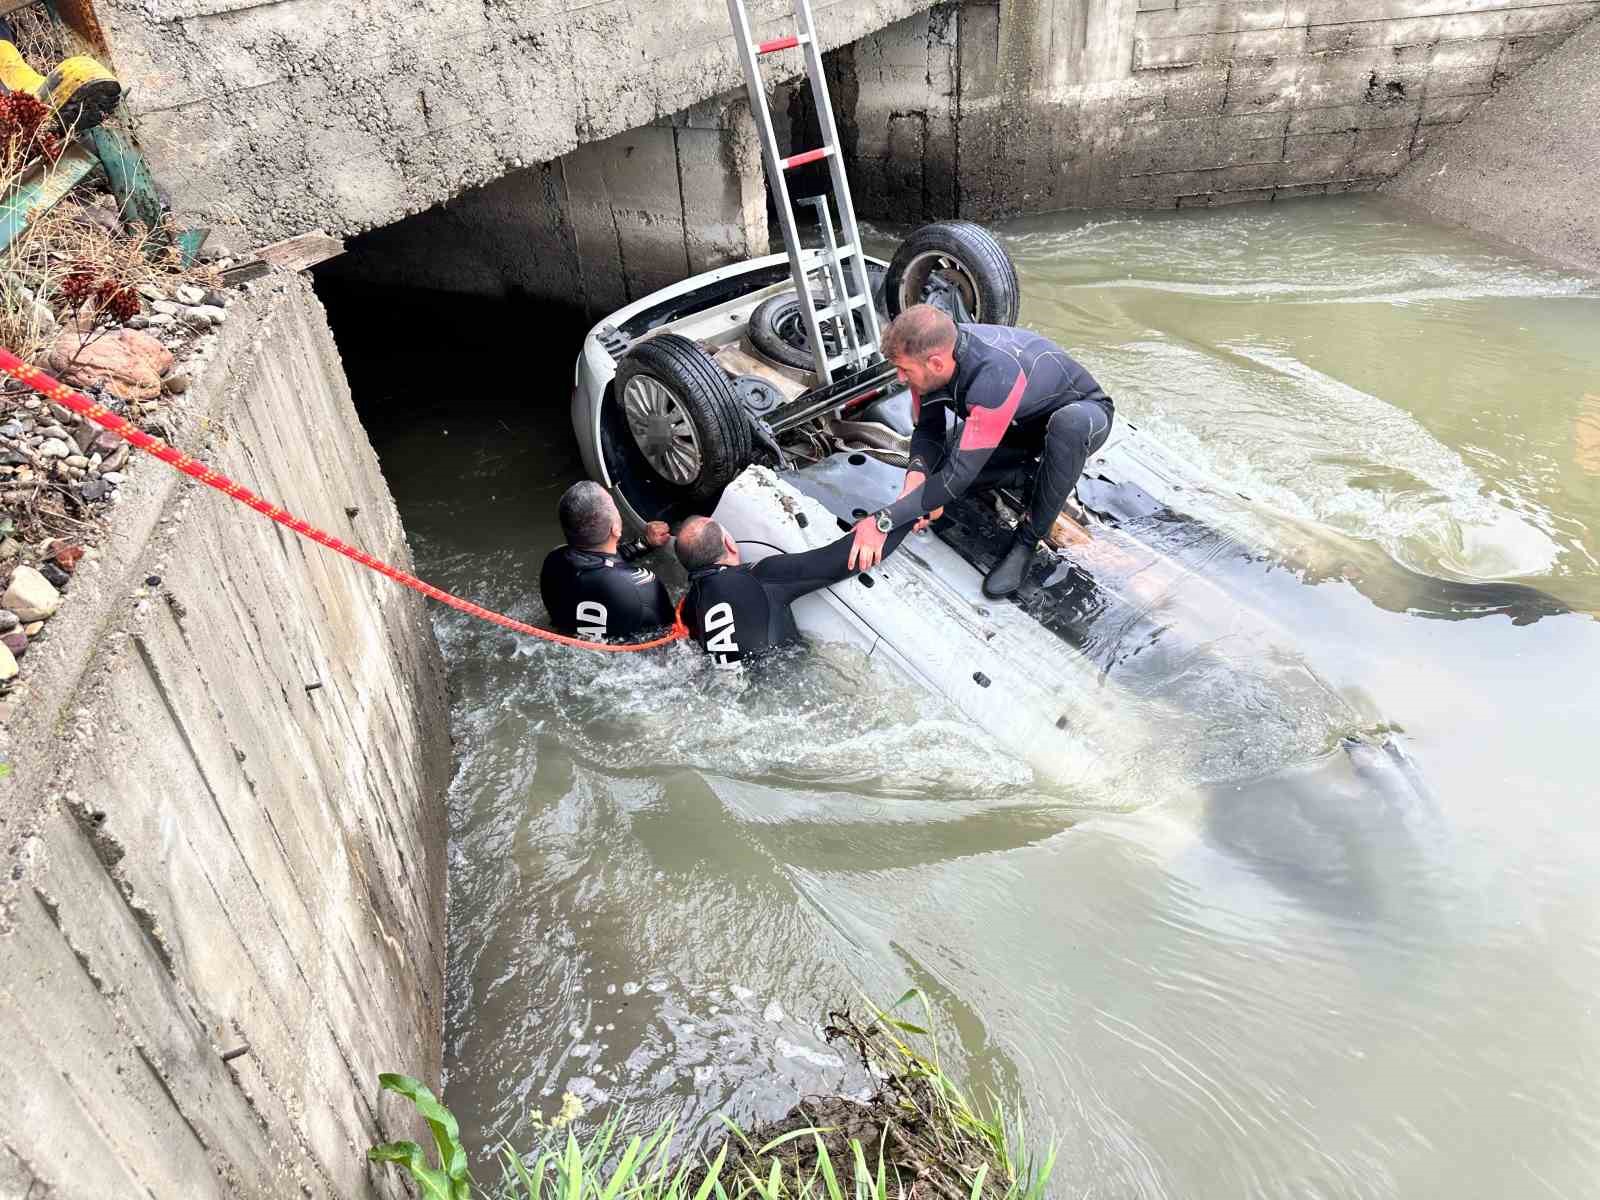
x=1261 y=980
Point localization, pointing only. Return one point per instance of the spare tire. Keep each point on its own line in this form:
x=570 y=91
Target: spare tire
x=957 y=257
x=683 y=414
x=778 y=331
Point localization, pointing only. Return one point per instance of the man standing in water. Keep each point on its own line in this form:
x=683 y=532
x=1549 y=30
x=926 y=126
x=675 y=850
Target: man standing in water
x=736 y=609
x=1028 y=410
x=587 y=586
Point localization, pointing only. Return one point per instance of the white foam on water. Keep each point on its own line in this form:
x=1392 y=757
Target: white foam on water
x=1362 y=466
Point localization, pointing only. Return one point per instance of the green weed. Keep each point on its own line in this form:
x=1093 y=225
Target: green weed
x=920 y=1136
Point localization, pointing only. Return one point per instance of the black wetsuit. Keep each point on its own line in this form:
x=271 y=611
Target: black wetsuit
x=735 y=612
x=1022 y=398
x=594 y=595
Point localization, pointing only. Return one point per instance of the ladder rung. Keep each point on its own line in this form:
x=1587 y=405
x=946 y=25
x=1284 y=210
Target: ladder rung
x=808 y=156
x=835 y=309
x=868 y=349
x=783 y=43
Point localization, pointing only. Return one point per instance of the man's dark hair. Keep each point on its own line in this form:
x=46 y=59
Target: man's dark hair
x=585 y=511
x=699 y=543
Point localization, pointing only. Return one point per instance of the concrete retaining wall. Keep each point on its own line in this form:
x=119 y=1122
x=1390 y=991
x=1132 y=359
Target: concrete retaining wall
x=200 y=853
x=281 y=116
x=985 y=107
x=603 y=225
x=1526 y=166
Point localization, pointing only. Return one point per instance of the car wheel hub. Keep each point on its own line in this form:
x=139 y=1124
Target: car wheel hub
x=662 y=429
x=927 y=270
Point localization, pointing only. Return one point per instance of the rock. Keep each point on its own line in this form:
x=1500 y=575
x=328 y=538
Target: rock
x=189 y=294
x=216 y=298
x=31 y=596
x=128 y=363
x=78 y=461
x=9 y=621
x=93 y=216
x=138 y=321
x=33 y=629
x=16 y=641
x=151 y=292
x=8 y=663
x=67 y=557
x=13 y=458
x=111 y=477
x=54 y=575
x=32 y=403
x=104 y=443
x=53 y=448
x=175 y=385
x=96 y=489
x=198 y=319
x=10 y=548
x=161 y=321
x=54 y=431
x=12 y=429
x=168 y=308
x=215 y=313
x=114 y=461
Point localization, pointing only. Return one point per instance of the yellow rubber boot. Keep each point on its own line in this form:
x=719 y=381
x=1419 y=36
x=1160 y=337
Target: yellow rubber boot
x=79 y=91
x=15 y=74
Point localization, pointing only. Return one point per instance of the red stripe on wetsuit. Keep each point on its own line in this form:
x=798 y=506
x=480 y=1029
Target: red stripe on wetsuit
x=986 y=426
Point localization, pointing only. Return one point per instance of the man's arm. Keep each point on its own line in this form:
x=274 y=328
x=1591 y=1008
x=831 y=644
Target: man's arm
x=787 y=577
x=928 y=438
x=992 y=401
x=656 y=535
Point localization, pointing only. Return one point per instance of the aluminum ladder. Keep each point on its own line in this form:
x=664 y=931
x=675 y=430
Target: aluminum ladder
x=837 y=263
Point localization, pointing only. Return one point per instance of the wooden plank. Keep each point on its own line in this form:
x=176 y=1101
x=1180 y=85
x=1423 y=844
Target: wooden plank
x=42 y=186
x=302 y=251
x=129 y=176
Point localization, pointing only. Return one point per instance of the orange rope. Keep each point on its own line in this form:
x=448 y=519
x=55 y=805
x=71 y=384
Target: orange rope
x=61 y=394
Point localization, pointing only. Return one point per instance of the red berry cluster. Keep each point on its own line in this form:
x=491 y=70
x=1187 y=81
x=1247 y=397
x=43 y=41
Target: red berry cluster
x=110 y=295
x=27 y=128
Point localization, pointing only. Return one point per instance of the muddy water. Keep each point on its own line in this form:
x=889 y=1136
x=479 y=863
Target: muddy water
x=1270 y=980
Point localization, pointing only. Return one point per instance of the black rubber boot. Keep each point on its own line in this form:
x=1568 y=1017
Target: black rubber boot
x=1009 y=572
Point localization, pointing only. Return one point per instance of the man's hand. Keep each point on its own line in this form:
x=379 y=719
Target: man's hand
x=924 y=522
x=656 y=534
x=866 y=551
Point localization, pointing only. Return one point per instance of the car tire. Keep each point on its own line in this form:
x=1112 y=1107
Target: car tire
x=959 y=253
x=684 y=415
x=777 y=330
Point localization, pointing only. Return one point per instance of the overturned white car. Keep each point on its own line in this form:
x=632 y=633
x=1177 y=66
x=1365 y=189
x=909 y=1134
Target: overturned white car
x=705 y=398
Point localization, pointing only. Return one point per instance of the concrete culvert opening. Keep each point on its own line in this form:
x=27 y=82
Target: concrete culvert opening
x=499 y=286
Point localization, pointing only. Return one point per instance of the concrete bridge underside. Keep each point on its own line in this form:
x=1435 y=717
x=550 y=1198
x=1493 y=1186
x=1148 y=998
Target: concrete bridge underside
x=590 y=151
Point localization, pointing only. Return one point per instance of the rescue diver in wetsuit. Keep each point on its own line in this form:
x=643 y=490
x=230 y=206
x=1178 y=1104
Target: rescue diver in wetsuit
x=1029 y=412
x=587 y=586
x=736 y=609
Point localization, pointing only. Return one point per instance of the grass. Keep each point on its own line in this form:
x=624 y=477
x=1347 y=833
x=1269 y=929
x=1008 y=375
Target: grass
x=921 y=1136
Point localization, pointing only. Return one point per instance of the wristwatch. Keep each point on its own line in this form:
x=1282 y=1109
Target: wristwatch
x=885 y=525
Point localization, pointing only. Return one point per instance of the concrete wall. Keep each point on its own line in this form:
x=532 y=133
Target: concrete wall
x=1526 y=166
x=198 y=853
x=605 y=224
x=281 y=116
x=981 y=107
